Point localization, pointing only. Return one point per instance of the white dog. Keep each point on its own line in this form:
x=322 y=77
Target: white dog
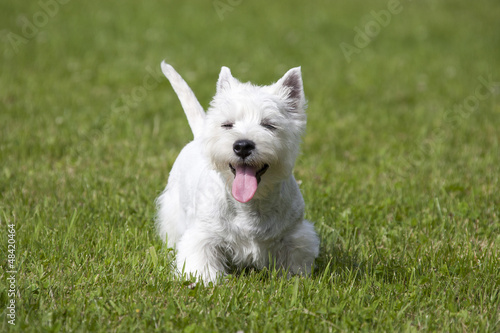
x=231 y=200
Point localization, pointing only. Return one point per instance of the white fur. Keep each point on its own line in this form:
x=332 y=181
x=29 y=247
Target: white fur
x=197 y=214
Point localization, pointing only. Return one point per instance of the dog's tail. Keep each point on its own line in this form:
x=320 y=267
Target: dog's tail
x=193 y=109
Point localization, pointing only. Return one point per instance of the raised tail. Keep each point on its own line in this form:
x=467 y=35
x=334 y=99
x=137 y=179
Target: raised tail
x=193 y=109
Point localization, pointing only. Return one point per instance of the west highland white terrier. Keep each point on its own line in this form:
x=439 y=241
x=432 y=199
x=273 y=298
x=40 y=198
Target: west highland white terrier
x=231 y=201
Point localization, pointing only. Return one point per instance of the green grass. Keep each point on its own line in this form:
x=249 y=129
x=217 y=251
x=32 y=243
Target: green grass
x=399 y=173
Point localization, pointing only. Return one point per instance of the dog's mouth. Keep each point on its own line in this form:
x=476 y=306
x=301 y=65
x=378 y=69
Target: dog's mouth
x=246 y=180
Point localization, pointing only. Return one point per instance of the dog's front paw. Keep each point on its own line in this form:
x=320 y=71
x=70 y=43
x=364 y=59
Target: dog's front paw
x=302 y=248
x=203 y=275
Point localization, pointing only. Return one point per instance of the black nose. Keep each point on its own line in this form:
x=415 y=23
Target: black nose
x=243 y=148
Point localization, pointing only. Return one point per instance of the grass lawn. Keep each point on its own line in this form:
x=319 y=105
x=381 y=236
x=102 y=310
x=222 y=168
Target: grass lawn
x=400 y=165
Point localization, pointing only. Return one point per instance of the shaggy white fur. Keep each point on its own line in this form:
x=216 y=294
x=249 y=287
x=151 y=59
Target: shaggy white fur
x=231 y=198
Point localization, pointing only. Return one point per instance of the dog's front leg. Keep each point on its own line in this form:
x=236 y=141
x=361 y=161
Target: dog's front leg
x=198 y=255
x=301 y=247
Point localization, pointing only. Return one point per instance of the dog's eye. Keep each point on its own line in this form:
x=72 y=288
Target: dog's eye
x=268 y=126
x=227 y=125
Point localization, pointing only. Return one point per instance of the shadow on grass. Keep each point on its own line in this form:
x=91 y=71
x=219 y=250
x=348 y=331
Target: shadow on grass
x=335 y=263
x=335 y=260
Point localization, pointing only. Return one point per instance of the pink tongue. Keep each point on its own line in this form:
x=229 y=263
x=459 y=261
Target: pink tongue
x=245 y=183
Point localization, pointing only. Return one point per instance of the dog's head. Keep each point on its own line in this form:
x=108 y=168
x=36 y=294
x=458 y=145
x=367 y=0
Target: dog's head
x=252 y=134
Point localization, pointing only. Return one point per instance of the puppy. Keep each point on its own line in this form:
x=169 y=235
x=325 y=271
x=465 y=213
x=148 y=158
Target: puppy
x=231 y=200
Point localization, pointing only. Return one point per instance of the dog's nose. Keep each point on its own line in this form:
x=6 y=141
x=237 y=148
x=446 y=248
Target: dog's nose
x=243 y=148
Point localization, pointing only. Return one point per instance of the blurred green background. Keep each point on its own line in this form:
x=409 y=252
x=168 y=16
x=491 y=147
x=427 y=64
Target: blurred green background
x=400 y=162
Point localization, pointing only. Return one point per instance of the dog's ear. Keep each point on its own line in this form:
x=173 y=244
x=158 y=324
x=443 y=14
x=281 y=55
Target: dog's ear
x=291 y=89
x=225 y=79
